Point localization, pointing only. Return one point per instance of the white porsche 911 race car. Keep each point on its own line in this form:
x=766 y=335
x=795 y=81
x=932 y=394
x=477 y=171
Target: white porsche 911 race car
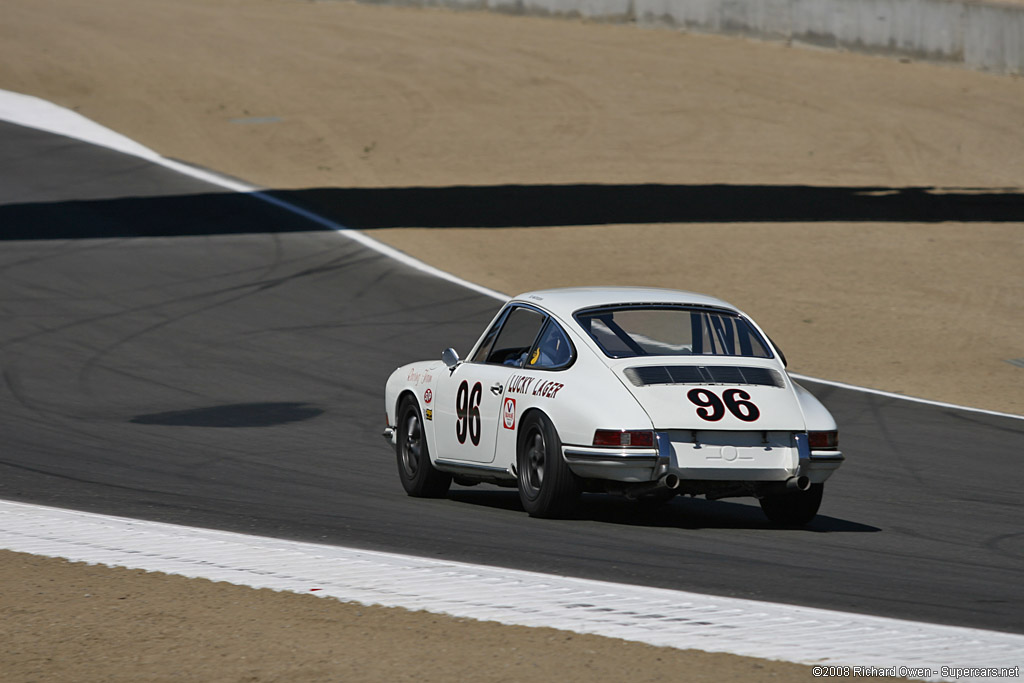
x=644 y=392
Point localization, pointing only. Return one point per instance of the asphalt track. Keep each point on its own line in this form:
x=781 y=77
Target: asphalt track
x=175 y=352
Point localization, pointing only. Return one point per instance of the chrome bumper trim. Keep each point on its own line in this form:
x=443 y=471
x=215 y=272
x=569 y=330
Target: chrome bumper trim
x=803 y=449
x=833 y=456
x=576 y=455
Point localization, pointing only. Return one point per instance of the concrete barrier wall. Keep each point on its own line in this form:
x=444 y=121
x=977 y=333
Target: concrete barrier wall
x=977 y=35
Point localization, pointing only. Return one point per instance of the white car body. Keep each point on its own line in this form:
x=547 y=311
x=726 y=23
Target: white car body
x=723 y=425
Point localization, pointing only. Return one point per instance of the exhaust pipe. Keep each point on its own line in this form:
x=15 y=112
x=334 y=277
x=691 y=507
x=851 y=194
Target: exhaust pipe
x=669 y=481
x=801 y=483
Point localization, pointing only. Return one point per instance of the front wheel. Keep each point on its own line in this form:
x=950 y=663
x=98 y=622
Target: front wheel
x=547 y=487
x=793 y=508
x=419 y=478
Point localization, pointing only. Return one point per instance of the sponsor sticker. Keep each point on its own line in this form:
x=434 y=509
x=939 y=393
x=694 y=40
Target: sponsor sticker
x=430 y=414
x=521 y=384
x=508 y=413
x=428 y=396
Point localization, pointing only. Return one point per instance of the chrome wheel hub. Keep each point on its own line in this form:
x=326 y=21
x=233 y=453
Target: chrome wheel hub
x=412 y=446
x=536 y=455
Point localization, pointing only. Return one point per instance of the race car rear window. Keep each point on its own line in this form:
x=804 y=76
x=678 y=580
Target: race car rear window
x=632 y=331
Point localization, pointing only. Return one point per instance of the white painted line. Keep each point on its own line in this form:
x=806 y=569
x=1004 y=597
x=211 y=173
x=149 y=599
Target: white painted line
x=649 y=615
x=36 y=113
x=33 y=112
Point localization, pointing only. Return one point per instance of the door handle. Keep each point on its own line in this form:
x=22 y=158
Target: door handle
x=496 y=388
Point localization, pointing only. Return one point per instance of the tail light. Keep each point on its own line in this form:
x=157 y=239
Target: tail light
x=635 y=438
x=823 y=441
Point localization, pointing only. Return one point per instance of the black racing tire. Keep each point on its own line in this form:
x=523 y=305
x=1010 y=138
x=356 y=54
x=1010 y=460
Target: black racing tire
x=419 y=478
x=793 y=508
x=547 y=487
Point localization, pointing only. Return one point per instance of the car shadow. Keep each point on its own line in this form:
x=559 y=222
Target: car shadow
x=679 y=513
x=233 y=415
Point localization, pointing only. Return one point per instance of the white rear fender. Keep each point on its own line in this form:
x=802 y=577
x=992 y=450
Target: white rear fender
x=816 y=416
x=578 y=400
x=589 y=402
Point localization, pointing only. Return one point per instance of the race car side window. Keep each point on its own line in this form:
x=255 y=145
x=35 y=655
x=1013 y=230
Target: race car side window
x=516 y=337
x=485 y=346
x=553 y=350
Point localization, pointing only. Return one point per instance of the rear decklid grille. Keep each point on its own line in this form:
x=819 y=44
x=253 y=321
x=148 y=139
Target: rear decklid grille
x=733 y=375
x=749 y=394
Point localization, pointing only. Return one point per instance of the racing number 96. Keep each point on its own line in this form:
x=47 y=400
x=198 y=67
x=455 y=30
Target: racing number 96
x=712 y=408
x=467 y=410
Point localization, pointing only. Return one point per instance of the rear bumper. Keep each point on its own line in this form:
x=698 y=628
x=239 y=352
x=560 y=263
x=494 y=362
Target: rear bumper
x=632 y=465
x=778 y=459
x=821 y=465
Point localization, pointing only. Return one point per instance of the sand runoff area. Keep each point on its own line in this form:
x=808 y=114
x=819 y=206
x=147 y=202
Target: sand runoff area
x=864 y=210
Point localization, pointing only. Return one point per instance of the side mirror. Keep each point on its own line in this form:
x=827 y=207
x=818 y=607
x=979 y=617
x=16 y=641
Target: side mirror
x=450 y=357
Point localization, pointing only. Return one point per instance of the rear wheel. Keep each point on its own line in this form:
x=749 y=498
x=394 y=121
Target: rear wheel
x=547 y=487
x=419 y=478
x=793 y=508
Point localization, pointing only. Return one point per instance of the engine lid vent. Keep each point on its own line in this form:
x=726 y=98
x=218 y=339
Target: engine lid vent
x=647 y=375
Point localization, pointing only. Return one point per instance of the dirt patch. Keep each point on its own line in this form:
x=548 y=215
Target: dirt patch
x=921 y=296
